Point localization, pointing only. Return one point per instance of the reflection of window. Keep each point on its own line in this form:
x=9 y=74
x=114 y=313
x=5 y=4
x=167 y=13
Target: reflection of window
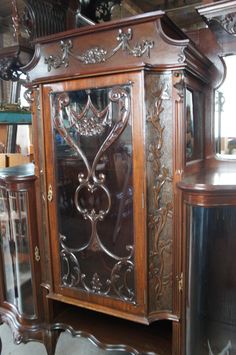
x=18 y=139
x=225 y=109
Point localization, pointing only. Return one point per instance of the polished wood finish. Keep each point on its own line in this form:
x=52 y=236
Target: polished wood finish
x=161 y=65
x=152 y=54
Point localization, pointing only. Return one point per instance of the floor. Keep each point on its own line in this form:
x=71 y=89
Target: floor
x=67 y=345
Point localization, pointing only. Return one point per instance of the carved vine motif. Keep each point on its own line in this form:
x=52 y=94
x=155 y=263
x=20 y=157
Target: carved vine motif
x=91 y=122
x=97 y=55
x=162 y=210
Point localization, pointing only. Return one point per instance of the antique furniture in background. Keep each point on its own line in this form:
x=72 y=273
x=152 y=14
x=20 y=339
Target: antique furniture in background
x=24 y=20
x=21 y=298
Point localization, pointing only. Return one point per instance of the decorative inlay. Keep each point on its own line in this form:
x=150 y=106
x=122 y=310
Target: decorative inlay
x=92 y=122
x=97 y=55
x=162 y=209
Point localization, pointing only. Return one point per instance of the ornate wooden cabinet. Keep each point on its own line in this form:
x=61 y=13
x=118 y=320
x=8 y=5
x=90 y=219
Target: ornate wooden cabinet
x=21 y=305
x=118 y=115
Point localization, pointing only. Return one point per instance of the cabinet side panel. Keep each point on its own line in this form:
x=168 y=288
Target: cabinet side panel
x=159 y=160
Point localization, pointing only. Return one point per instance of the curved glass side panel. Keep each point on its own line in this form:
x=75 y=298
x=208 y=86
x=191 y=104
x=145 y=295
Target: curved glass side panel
x=211 y=301
x=16 y=251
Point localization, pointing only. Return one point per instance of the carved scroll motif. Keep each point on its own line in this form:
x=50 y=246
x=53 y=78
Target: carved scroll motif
x=227 y=22
x=162 y=209
x=90 y=122
x=98 y=55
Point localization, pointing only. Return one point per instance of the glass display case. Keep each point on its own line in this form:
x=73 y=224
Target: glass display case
x=16 y=251
x=19 y=250
x=210 y=303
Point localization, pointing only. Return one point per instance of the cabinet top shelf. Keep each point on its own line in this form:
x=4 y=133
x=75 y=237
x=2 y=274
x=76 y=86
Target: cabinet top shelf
x=219 y=179
x=146 y=41
x=18 y=172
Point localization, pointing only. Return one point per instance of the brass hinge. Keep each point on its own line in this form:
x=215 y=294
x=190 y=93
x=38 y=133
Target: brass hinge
x=180 y=282
x=36 y=254
x=50 y=193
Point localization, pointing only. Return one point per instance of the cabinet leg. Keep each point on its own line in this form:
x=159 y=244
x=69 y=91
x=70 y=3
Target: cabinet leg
x=50 y=341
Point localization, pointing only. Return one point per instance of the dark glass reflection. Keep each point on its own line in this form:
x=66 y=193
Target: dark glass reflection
x=194 y=125
x=211 y=303
x=15 y=251
x=96 y=222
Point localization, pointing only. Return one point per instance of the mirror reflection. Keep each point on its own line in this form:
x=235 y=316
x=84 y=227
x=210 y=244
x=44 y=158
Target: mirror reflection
x=225 y=108
x=15 y=126
x=194 y=123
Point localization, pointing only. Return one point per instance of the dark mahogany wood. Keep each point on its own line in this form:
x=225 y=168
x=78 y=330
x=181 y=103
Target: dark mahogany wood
x=165 y=77
x=161 y=63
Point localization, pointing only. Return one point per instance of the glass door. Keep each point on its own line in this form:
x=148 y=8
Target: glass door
x=91 y=189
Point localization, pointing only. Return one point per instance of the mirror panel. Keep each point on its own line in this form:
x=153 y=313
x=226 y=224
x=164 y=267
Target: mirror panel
x=15 y=126
x=225 y=108
x=194 y=125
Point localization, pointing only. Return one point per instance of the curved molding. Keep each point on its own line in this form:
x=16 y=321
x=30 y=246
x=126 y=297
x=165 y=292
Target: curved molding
x=221 y=59
x=163 y=315
x=94 y=340
x=182 y=43
x=22 y=333
x=34 y=61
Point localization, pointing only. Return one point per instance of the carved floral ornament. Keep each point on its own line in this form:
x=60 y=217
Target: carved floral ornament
x=228 y=23
x=96 y=55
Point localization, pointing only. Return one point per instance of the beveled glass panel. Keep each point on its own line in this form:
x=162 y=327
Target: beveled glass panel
x=211 y=302
x=93 y=152
x=16 y=252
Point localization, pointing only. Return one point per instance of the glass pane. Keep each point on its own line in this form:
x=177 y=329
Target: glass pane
x=211 y=306
x=225 y=106
x=15 y=250
x=6 y=247
x=194 y=125
x=92 y=132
